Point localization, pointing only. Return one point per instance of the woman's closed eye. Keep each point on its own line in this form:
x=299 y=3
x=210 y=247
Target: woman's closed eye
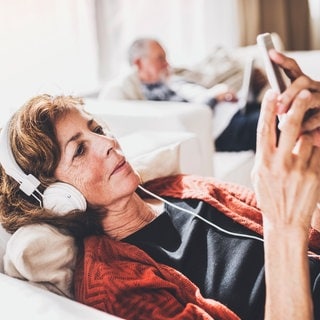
x=81 y=147
x=105 y=131
x=99 y=130
x=80 y=150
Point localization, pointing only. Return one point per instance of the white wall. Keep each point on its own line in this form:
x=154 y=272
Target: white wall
x=315 y=23
x=46 y=46
x=188 y=29
x=54 y=46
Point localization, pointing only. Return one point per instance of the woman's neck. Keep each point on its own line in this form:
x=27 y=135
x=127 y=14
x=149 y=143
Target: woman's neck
x=119 y=224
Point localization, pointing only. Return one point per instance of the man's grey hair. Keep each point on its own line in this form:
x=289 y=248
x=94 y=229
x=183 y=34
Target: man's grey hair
x=139 y=48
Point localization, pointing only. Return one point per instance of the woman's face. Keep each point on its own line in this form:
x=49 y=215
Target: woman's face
x=92 y=161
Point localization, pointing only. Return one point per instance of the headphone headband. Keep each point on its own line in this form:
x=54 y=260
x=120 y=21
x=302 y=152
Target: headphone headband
x=28 y=183
x=58 y=197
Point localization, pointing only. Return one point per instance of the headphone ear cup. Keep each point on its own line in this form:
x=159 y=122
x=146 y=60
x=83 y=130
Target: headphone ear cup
x=62 y=198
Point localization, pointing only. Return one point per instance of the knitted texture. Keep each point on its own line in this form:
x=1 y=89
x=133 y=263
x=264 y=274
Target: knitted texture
x=121 y=279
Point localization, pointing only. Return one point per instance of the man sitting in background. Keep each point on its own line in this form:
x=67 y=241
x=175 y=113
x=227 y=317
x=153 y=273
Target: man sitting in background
x=152 y=79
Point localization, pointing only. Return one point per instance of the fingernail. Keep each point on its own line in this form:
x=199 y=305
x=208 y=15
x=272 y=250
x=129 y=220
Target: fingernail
x=271 y=95
x=281 y=108
x=304 y=94
x=282 y=119
x=283 y=98
x=282 y=103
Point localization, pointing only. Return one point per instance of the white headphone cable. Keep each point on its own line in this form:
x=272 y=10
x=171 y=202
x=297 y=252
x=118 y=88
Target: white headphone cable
x=248 y=236
x=201 y=218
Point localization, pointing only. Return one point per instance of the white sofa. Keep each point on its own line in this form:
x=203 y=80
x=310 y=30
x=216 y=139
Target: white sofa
x=22 y=300
x=166 y=138
x=143 y=126
x=193 y=122
x=159 y=139
x=171 y=140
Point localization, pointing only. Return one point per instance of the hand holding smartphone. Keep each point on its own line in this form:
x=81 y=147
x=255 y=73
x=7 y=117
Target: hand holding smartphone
x=273 y=71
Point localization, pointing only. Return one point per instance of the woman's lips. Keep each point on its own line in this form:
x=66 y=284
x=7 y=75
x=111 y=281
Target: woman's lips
x=119 y=166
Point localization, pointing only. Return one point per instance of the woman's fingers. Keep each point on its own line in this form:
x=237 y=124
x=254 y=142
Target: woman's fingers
x=289 y=65
x=299 y=80
x=286 y=98
x=304 y=151
x=290 y=125
x=266 y=130
x=286 y=174
x=311 y=120
x=315 y=161
x=315 y=134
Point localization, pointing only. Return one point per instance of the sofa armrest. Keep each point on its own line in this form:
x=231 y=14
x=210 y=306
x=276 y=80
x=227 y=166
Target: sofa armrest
x=21 y=300
x=126 y=117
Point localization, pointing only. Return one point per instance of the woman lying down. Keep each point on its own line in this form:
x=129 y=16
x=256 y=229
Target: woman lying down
x=180 y=247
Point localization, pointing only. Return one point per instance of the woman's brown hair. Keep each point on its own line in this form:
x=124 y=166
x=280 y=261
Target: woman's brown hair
x=36 y=150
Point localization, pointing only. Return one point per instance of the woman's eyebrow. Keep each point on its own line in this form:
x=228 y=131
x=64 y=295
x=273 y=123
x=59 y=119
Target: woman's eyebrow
x=78 y=134
x=73 y=138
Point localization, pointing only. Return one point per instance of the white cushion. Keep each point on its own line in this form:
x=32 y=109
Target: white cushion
x=159 y=154
x=20 y=300
x=42 y=255
x=307 y=61
x=127 y=117
x=234 y=166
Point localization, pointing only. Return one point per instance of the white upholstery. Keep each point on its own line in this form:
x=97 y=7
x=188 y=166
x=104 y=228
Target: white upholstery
x=166 y=119
x=234 y=166
x=156 y=146
x=21 y=300
x=308 y=61
x=178 y=134
x=44 y=256
x=157 y=154
x=126 y=117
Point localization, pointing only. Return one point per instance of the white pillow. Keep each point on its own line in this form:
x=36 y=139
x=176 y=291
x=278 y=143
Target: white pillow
x=42 y=255
x=154 y=154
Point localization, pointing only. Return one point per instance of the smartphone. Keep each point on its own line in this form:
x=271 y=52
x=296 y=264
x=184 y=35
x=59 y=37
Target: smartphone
x=274 y=73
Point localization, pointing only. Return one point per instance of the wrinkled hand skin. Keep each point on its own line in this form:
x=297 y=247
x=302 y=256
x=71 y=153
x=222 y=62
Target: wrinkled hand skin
x=286 y=179
x=289 y=169
x=299 y=81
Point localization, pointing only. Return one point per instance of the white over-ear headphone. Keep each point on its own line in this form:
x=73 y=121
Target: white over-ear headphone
x=59 y=197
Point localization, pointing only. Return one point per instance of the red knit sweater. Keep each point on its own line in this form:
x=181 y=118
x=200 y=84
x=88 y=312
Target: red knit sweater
x=123 y=280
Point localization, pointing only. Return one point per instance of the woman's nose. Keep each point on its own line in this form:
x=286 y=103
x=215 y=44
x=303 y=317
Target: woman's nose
x=104 y=144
